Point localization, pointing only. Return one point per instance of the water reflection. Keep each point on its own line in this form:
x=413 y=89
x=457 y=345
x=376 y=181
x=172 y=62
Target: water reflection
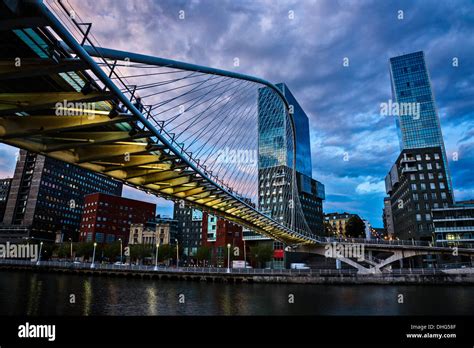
x=48 y=294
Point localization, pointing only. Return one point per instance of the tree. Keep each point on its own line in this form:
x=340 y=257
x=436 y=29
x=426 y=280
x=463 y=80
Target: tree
x=261 y=254
x=166 y=252
x=203 y=253
x=85 y=249
x=112 y=250
x=63 y=251
x=329 y=230
x=355 y=227
x=140 y=251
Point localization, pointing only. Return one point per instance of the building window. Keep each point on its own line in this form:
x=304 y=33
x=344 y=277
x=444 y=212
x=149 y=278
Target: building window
x=441 y=185
x=413 y=187
x=443 y=195
x=422 y=176
x=412 y=177
x=423 y=186
x=430 y=176
x=418 y=157
x=418 y=217
x=429 y=166
x=428 y=217
x=432 y=186
x=436 y=156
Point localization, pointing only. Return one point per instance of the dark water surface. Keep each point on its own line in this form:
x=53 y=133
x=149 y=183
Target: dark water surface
x=27 y=293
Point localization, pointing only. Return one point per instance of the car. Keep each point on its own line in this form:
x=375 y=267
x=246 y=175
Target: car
x=77 y=262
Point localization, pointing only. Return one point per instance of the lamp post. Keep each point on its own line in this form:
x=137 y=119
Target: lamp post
x=156 y=257
x=228 y=258
x=177 y=253
x=245 y=254
x=39 y=256
x=93 y=256
x=120 y=240
x=70 y=241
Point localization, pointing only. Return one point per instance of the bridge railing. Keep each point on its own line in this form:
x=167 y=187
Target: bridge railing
x=224 y=271
x=394 y=242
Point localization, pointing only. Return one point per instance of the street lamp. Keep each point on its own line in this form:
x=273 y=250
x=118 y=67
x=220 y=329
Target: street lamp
x=228 y=258
x=39 y=256
x=177 y=252
x=120 y=240
x=70 y=240
x=245 y=254
x=93 y=255
x=156 y=257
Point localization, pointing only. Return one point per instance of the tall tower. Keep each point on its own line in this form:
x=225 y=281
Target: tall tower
x=276 y=160
x=411 y=84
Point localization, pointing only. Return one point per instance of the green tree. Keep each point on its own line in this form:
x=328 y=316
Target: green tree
x=166 y=252
x=140 y=251
x=261 y=254
x=85 y=249
x=112 y=251
x=329 y=230
x=203 y=253
x=355 y=227
x=63 y=250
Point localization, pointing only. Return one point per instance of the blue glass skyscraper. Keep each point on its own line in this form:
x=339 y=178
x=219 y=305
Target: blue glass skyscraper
x=274 y=144
x=275 y=150
x=411 y=84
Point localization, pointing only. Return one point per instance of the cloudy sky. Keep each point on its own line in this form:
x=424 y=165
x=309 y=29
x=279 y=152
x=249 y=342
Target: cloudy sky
x=304 y=43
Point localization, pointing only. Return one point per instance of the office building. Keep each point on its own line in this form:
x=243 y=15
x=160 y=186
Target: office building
x=107 y=218
x=455 y=223
x=4 y=191
x=416 y=184
x=387 y=218
x=189 y=229
x=411 y=85
x=47 y=197
x=276 y=159
x=218 y=234
x=311 y=193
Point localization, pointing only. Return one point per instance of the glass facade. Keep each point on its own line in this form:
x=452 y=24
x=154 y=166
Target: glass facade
x=276 y=159
x=275 y=146
x=411 y=85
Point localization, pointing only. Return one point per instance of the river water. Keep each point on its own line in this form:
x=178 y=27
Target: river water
x=26 y=293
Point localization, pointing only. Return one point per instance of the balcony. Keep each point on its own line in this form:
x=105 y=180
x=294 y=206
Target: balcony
x=408 y=160
x=454 y=229
x=409 y=170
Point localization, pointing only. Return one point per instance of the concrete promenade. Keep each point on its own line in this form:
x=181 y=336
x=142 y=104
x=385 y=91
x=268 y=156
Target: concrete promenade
x=459 y=275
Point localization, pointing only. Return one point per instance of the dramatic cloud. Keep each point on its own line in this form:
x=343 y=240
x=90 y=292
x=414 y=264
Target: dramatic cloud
x=304 y=43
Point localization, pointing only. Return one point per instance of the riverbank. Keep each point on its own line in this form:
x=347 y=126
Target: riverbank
x=284 y=276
